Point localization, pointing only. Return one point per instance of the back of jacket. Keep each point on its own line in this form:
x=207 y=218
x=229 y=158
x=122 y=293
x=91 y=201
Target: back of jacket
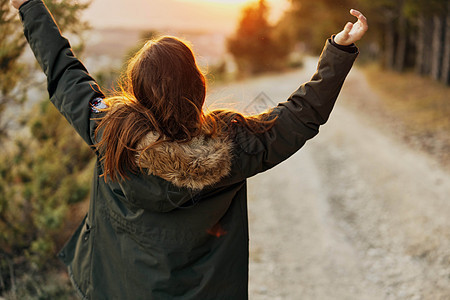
x=172 y=233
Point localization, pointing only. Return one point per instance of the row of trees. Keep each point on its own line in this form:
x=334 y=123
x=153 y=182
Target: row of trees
x=403 y=35
x=414 y=34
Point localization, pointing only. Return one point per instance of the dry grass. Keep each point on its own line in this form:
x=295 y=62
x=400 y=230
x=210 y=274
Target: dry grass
x=420 y=102
x=419 y=107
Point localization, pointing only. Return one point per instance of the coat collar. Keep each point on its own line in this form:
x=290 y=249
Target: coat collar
x=197 y=164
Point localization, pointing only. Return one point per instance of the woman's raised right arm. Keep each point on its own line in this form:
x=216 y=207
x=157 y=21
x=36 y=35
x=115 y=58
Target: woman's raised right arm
x=299 y=118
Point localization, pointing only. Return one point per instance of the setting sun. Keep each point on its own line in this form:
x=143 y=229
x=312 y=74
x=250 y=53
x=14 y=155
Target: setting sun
x=237 y=3
x=221 y=1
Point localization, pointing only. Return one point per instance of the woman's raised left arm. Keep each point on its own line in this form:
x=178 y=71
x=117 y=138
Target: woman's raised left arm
x=70 y=87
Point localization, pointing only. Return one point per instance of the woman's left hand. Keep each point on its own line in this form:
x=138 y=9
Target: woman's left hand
x=17 y=3
x=352 y=32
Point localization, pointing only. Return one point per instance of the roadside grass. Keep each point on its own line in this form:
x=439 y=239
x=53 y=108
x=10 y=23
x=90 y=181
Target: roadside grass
x=419 y=107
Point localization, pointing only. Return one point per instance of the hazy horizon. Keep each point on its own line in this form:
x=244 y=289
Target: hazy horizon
x=175 y=14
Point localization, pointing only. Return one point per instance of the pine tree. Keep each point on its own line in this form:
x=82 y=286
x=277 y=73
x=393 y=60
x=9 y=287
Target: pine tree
x=255 y=47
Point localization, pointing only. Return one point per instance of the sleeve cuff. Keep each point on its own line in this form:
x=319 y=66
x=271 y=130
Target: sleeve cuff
x=25 y=4
x=350 y=48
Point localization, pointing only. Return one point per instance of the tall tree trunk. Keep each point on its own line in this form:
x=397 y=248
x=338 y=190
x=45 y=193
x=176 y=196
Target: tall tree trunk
x=423 y=45
x=437 y=46
x=390 y=41
x=400 y=55
x=420 y=45
x=445 y=76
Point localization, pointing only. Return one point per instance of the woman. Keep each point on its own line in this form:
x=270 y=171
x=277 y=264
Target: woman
x=168 y=213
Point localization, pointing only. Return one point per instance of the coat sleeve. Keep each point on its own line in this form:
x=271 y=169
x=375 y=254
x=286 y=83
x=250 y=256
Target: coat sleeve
x=70 y=87
x=299 y=118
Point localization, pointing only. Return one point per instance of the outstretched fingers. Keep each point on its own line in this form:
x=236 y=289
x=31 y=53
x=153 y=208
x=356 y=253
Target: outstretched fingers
x=361 y=18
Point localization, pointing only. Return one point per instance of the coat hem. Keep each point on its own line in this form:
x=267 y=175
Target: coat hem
x=76 y=286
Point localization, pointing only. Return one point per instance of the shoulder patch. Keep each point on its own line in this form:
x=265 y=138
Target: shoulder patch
x=97 y=105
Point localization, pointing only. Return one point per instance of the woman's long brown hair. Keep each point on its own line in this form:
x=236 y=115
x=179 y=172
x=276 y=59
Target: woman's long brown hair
x=163 y=92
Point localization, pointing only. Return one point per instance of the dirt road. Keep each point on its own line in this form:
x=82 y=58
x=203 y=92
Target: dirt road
x=355 y=214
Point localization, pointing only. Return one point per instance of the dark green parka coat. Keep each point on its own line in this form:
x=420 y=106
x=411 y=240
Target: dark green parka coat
x=179 y=232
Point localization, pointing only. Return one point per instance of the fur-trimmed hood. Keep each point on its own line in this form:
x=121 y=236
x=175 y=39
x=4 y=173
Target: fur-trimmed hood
x=195 y=165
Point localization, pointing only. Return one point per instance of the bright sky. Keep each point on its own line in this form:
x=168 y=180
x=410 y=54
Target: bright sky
x=230 y=2
x=220 y=15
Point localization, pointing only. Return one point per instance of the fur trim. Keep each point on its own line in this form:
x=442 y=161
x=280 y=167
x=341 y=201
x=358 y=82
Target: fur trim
x=195 y=165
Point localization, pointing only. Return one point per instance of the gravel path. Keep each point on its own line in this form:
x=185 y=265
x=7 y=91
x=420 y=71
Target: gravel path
x=355 y=214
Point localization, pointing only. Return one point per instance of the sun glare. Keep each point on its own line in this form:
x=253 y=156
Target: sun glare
x=228 y=1
x=239 y=2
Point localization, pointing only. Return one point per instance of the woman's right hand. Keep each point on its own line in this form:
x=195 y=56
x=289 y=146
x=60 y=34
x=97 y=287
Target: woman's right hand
x=17 y=3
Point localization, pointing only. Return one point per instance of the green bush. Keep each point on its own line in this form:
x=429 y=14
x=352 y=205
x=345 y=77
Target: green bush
x=40 y=179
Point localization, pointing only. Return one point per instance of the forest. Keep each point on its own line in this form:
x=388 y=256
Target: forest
x=45 y=169
x=404 y=34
